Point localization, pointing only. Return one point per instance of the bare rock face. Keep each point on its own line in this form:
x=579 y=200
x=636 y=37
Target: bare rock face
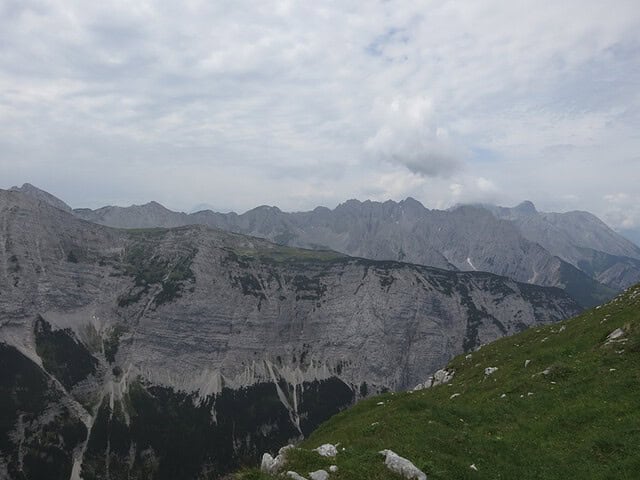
x=181 y=353
x=466 y=238
x=580 y=239
x=41 y=195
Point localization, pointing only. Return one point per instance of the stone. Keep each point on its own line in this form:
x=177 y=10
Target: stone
x=440 y=377
x=285 y=449
x=402 y=466
x=266 y=465
x=333 y=468
x=490 y=370
x=295 y=476
x=326 y=450
x=319 y=475
x=272 y=465
x=616 y=335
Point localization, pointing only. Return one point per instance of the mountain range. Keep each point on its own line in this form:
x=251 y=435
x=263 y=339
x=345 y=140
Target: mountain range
x=117 y=344
x=575 y=250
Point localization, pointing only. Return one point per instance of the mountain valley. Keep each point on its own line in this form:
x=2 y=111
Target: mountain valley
x=116 y=343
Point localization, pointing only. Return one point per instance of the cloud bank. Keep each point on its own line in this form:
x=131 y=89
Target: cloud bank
x=302 y=103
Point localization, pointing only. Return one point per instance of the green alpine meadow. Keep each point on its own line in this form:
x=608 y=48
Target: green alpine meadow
x=555 y=402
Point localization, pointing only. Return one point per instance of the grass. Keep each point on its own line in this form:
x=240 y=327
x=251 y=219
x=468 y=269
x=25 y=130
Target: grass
x=148 y=266
x=580 y=419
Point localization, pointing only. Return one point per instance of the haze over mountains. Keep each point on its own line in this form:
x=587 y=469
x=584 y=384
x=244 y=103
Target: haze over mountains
x=575 y=250
x=114 y=343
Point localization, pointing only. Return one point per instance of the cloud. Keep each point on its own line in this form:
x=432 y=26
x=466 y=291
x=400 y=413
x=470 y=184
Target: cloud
x=623 y=210
x=472 y=189
x=302 y=103
x=409 y=135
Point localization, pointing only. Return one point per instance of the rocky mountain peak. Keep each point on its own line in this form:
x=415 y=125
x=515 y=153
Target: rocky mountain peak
x=41 y=195
x=526 y=208
x=153 y=205
x=410 y=201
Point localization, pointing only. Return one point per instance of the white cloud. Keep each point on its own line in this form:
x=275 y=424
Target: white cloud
x=409 y=135
x=622 y=210
x=301 y=103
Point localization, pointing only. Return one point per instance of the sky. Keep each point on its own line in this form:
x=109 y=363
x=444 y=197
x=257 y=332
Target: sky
x=235 y=104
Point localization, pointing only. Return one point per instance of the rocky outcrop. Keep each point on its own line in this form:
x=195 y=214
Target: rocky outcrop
x=273 y=465
x=138 y=338
x=438 y=378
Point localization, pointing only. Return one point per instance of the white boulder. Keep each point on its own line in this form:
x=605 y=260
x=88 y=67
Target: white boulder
x=273 y=465
x=439 y=378
x=402 y=466
x=284 y=449
x=615 y=336
x=333 y=468
x=268 y=463
x=326 y=450
x=295 y=476
x=490 y=370
x=319 y=475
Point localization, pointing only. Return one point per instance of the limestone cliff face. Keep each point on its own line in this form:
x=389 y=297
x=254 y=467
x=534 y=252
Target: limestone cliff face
x=466 y=238
x=136 y=339
x=579 y=238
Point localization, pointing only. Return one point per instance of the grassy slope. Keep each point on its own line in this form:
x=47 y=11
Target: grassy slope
x=581 y=421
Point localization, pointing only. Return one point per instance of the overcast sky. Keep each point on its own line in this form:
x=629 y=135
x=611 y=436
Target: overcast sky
x=296 y=104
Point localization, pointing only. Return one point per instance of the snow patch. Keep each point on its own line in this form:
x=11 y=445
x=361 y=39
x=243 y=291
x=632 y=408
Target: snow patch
x=471 y=264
